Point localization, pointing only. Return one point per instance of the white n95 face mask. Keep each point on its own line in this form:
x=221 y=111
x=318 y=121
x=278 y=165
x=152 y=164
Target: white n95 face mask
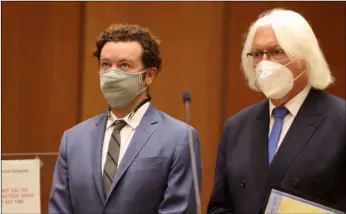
x=274 y=79
x=120 y=88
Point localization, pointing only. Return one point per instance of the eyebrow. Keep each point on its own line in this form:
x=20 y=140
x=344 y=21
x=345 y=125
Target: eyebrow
x=269 y=47
x=104 y=58
x=120 y=61
x=126 y=60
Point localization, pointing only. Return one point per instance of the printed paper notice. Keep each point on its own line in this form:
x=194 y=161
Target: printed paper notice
x=21 y=186
x=281 y=202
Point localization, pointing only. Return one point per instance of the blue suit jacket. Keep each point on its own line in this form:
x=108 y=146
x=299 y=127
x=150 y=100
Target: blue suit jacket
x=154 y=176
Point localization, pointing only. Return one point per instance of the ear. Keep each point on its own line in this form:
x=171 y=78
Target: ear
x=150 y=76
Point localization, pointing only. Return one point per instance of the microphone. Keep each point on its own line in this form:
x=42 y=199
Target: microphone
x=187 y=100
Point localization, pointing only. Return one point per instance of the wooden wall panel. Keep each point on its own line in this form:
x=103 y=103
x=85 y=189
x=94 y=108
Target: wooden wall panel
x=40 y=70
x=328 y=22
x=191 y=33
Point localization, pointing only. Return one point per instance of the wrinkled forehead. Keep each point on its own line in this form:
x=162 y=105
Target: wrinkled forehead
x=265 y=38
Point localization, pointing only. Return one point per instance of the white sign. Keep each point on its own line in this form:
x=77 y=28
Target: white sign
x=21 y=186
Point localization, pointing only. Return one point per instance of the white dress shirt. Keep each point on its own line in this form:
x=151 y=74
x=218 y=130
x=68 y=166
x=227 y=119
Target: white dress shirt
x=126 y=133
x=293 y=107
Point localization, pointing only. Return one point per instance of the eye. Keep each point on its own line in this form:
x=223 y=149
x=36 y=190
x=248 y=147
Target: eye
x=124 y=66
x=105 y=65
x=257 y=54
x=278 y=52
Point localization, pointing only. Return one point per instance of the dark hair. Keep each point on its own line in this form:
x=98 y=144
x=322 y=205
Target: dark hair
x=126 y=33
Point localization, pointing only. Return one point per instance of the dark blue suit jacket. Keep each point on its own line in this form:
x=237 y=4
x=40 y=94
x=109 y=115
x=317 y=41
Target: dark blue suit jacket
x=310 y=160
x=154 y=176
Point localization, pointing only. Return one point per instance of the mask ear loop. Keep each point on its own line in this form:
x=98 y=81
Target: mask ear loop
x=301 y=73
x=290 y=62
x=145 y=86
x=143 y=76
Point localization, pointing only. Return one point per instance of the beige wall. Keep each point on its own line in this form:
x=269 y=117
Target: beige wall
x=50 y=79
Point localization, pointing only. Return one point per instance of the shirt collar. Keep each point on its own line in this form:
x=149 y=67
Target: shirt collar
x=134 y=121
x=295 y=103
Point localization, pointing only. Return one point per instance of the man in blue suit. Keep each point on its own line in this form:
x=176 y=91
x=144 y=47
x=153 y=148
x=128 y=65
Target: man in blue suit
x=132 y=158
x=295 y=139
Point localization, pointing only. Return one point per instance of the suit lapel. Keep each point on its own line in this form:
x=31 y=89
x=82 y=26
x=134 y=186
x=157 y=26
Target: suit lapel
x=259 y=144
x=309 y=117
x=96 y=149
x=143 y=132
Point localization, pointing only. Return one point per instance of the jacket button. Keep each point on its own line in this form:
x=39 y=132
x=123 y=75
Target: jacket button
x=295 y=182
x=243 y=183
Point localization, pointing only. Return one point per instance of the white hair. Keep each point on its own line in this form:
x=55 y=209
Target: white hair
x=297 y=39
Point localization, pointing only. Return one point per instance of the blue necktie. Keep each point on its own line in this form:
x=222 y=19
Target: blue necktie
x=279 y=114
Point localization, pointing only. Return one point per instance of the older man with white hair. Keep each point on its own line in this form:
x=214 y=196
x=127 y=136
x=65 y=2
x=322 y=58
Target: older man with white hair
x=294 y=139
